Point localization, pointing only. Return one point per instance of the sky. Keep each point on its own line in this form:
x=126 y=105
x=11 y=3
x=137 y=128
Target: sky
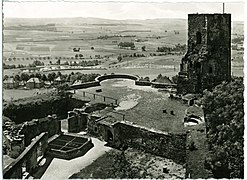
x=117 y=10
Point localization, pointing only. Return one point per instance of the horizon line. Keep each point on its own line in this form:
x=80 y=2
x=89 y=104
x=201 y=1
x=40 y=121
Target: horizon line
x=36 y=18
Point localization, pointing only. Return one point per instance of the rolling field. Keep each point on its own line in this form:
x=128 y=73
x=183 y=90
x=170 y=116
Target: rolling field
x=85 y=33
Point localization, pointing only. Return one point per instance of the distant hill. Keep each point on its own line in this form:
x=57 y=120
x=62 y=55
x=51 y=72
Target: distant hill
x=80 y=20
x=181 y=24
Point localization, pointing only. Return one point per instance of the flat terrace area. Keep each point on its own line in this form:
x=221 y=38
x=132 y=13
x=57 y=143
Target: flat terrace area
x=141 y=105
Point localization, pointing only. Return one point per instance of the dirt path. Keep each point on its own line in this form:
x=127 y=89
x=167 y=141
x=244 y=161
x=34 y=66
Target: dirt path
x=63 y=169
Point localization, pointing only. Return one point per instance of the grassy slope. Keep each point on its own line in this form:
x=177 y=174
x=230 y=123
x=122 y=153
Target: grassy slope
x=99 y=169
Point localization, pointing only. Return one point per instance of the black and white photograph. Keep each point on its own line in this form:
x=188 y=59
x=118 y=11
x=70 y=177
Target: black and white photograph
x=122 y=89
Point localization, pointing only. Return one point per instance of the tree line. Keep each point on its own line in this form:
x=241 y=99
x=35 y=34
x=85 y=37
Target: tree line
x=13 y=66
x=71 y=78
x=83 y=63
x=130 y=45
x=80 y=56
x=178 y=48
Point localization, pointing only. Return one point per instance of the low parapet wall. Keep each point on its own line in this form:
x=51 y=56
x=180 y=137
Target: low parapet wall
x=124 y=76
x=102 y=78
x=143 y=83
x=85 y=85
x=155 y=84
x=162 y=85
x=115 y=76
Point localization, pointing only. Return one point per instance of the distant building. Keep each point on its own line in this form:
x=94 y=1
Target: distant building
x=10 y=83
x=58 y=80
x=47 y=83
x=34 y=83
x=97 y=56
x=208 y=59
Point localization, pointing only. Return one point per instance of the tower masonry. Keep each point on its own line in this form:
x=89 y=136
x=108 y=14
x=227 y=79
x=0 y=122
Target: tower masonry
x=208 y=59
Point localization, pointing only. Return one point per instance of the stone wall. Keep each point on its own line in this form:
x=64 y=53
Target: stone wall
x=33 y=128
x=143 y=83
x=77 y=120
x=15 y=144
x=72 y=153
x=114 y=76
x=155 y=84
x=13 y=141
x=85 y=85
x=27 y=158
x=172 y=146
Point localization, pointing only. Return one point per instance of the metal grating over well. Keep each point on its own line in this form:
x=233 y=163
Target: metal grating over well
x=69 y=146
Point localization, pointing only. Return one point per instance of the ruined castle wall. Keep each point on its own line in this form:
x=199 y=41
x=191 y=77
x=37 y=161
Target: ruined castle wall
x=208 y=60
x=77 y=121
x=196 y=23
x=172 y=146
x=33 y=128
x=14 y=169
x=14 y=145
x=219 y=43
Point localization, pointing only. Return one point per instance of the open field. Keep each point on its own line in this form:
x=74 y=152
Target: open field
x=85 y=35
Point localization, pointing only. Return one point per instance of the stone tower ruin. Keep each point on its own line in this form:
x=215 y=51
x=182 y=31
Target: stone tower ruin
x=208 y=59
